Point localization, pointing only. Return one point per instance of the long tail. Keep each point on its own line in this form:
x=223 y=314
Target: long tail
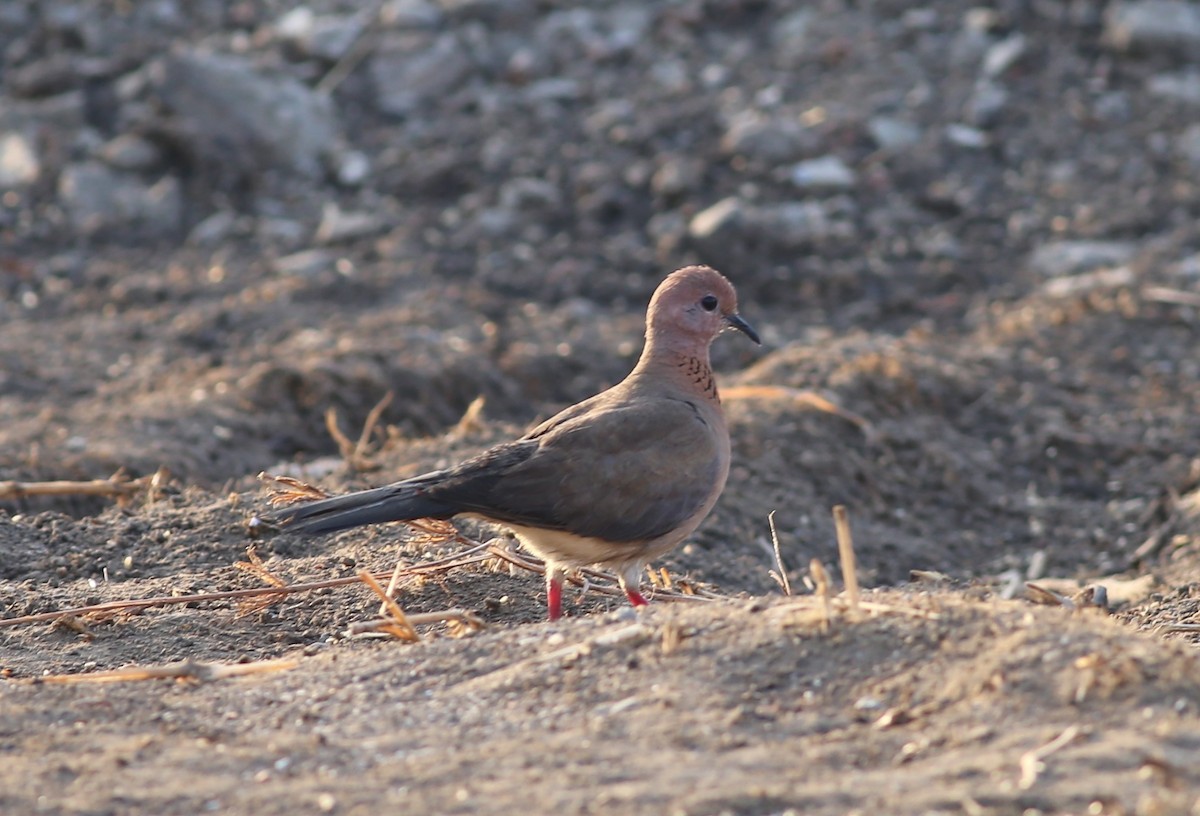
x=402 y=501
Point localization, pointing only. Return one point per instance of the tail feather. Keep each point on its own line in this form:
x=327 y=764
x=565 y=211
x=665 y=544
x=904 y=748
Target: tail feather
x=398 y=502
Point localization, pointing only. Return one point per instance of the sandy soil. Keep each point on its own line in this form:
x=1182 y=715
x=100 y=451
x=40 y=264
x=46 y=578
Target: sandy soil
x=982 y=341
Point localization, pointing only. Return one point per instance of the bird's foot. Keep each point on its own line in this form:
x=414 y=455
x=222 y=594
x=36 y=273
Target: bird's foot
x=636 y=598
x=554 y=591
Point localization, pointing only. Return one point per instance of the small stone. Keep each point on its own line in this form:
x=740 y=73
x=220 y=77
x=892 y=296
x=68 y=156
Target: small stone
x=1181 y=87
x=890 y=133
x=353 y=168
x=720 y=219
x=327 y=37
x=986 y=104
x=99 y=199
x=402 y=14
x=405 y=80
x=1188 y=145
x=213 y=230
x=19 y=164
x=130 y=152
x=791 y=225
x=338 y=225
x=1060 y=258
x=1154 y=25
x=770 y=140
x=305 y=264
x=1003 y=55
x=966 y=136
x=822 y=174
x=676 y=176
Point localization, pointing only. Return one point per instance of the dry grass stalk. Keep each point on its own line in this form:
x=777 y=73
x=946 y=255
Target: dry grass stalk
x=103 y=611
x=358 y=453
x=186 y=670
x=821 y=579
x=118 y=486
x=285 y=490
x=779 y=573
x=807 y=399
x=841 y=523
x=1031 y=761
x=460 y=620
x=399 y=625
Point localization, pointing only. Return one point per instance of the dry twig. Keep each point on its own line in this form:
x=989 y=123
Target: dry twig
x=841 y=523
x=187 y=670
x=118 y=486
x=779 y=573
x=1031 y=761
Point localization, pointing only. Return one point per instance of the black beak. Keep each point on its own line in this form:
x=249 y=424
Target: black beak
x=736 y=321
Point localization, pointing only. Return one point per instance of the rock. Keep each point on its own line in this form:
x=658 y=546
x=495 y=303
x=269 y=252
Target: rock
x=352 y=168
x=1154 y=25
x=823 y=174
x=787 y=226
x=409 y=75
x=530 y=195
x=98 y=199
x=1060 y=258
x=1181 y=87
x=791 y=36
x=410 y=14
x=1188 y=267
x=19 y=163
x=791 y=225
x=890 y=133
x=986 y=104
x=130 y=152
x=965 y=136
x=721 y=220
x=339 y=225
x=305 y=264
x=1003 y=55
x=230 y=114
x=1187 y=144
x=769 y=140
x=326 y=37
x=213 y=230
x=677 y=175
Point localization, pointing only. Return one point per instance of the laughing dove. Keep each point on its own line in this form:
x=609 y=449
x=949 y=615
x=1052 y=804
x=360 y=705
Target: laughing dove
x=616 y=480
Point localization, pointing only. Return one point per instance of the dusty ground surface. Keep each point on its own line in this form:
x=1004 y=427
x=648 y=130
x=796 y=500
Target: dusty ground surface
x=972 y=230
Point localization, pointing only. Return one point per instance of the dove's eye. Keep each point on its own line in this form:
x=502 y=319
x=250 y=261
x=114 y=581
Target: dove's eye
x=708 y=302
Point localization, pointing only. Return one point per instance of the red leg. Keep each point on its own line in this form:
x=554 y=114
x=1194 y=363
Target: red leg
x=636 y=598
x=629 y=580
x=554 y=587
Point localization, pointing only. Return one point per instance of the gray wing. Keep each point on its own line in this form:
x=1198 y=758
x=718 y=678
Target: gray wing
x=625 y=473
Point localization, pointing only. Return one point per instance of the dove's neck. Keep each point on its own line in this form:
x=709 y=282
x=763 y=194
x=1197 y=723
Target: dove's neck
x=679 y=362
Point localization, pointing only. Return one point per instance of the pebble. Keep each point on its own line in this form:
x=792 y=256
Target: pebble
x=340 y=225
x=987 y=103
x=1181 y=87
x=966 y=136
x=1188 y=145
x=130 y=152
x=305 y=264
x=770 y=140
x=1003 y=55
x=99 y=199
x=326 y=37
x=1155 y=25
x=406 y=80
x=1060 y=258
x=19 y=164
x=822 y=174
x=220 y=100
x=890 y=133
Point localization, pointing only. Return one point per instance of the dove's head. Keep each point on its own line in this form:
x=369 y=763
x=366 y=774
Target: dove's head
x=691 y=307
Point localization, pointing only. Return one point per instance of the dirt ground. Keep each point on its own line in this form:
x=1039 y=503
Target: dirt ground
x=968 y=235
